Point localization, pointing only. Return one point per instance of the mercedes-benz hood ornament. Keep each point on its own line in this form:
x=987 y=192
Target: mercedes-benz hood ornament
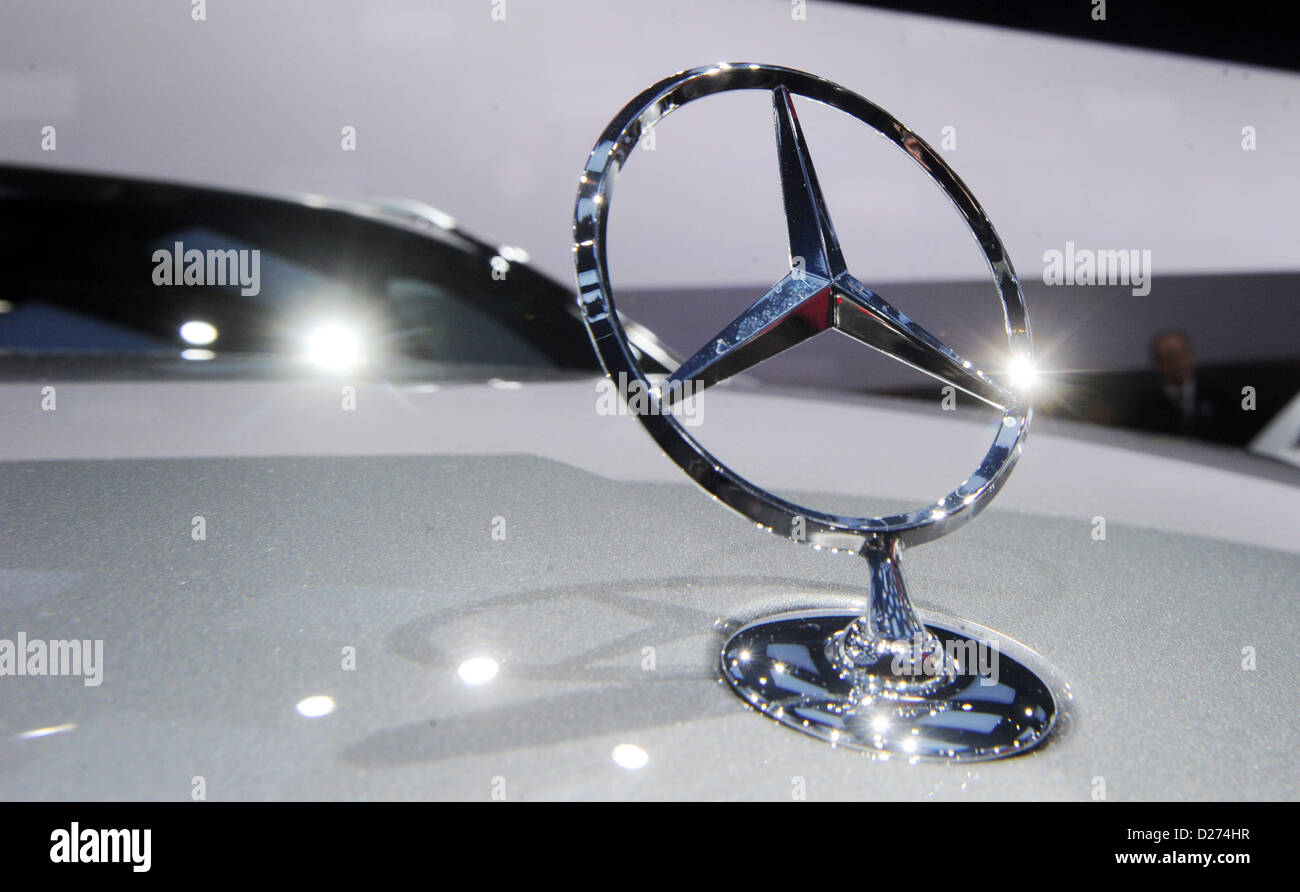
x=878 y=679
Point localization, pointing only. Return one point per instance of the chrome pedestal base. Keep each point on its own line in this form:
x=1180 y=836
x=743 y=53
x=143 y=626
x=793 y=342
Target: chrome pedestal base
x=972 y=702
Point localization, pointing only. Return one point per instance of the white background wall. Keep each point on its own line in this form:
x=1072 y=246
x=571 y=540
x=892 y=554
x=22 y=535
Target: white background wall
x=491 y=120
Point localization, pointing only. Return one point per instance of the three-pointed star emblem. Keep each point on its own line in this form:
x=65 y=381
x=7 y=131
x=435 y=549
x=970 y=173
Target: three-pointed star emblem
x=819 y=293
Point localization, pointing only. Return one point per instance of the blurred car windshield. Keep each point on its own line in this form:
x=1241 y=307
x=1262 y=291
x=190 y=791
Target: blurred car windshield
x=105 y=272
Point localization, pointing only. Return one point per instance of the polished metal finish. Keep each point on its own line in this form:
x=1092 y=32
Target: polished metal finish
x=878 y=653
x=990 y=705
x=817 y=294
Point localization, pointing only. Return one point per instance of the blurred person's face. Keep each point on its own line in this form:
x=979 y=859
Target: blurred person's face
x=1174 y=360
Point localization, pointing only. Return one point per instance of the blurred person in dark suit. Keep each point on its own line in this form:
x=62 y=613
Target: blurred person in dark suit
x=1178 y=401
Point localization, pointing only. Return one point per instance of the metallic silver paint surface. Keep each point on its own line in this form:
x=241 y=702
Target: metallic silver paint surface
x=1164 y=483
x=210 y=646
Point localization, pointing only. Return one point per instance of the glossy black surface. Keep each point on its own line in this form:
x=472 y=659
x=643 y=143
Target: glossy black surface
x=76 y=273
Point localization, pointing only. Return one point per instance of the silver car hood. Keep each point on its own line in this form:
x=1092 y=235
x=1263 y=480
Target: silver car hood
x=373 y=530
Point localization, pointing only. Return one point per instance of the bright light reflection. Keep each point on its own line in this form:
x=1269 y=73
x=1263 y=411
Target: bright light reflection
x=1023 y=373
x=315 y=706
x=334 y=347
x=477 y=670
x=909 y=745
x=46 y=732
x=197 y=354
x=880 y=724
x=439 y=218
x=198 y=332
x=630 y=756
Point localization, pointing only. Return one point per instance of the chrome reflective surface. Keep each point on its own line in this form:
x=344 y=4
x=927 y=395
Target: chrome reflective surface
x=886 y=651
x=817 y=294
x=989 y=705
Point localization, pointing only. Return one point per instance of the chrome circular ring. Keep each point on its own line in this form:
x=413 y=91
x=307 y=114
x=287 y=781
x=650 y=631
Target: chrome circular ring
x=596 y=300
